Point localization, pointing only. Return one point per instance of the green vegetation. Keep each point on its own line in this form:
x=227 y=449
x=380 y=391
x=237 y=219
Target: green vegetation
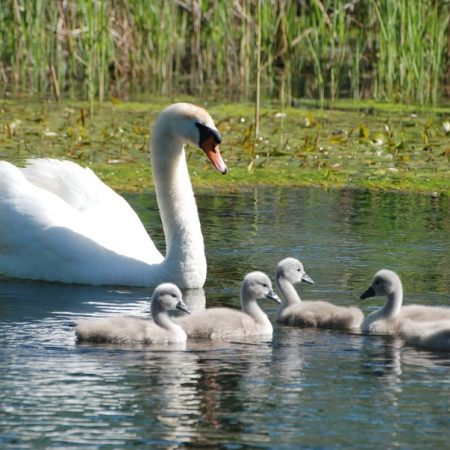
x=354 y=145
x=331 y=54
x=388 y=50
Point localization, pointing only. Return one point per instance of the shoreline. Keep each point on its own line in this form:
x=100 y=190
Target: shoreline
x=353 y=145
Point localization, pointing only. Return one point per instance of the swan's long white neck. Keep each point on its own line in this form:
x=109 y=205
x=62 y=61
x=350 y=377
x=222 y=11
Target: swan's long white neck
x=177 y=207
x=289 y=294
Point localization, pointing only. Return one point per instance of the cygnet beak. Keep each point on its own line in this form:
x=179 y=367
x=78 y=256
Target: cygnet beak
x=307 y=279
x=368 y=293
x=272 y=296
x=183 y=307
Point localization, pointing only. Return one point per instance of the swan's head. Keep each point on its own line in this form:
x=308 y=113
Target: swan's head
x=292 y=270
x=193 y=125
x=166 y=297
x=257 y=285
x=385 y=282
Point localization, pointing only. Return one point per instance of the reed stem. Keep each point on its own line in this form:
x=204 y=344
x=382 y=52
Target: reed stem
x=394 y=50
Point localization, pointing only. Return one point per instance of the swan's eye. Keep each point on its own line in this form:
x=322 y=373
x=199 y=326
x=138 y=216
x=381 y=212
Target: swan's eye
x=207 y=132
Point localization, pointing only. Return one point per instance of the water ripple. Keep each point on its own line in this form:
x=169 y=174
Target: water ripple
x=301 y=389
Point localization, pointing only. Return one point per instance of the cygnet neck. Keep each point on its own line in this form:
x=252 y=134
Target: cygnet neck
x=289 y=294
x=250 y=306
x=161 y=317
x=393 y=304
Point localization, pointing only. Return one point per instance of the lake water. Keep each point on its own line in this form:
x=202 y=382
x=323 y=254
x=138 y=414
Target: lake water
x=302 y=389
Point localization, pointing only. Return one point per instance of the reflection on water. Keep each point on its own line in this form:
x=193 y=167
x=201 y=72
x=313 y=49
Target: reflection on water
x=302 y=388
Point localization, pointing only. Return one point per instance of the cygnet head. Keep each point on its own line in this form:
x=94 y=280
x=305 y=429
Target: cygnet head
x=257 y=285
x=384 y=283
x=166 y=297
x=193 y=125
x=292 y=270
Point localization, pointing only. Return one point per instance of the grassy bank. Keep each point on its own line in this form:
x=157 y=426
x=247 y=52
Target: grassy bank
x=395 y=50
x=366 y=145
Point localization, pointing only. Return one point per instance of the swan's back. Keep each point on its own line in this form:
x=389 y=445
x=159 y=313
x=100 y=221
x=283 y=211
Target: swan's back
x=77 y=186
x=372 y=324
x=121 y=330
x=57 y=216
x=95 y=203
x=220 y=324
x=429 y=335
x=375 y=323
x=423 y=313
x=321 y=314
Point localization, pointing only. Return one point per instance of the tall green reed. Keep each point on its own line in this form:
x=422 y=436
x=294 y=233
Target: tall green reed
x=412 y=46
x=394 y=50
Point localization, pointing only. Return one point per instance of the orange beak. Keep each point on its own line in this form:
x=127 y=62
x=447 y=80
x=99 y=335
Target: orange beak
x=211 y=149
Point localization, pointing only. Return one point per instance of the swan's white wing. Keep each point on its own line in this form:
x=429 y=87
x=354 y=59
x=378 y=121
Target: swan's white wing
x=51 y=194
x=110 y=219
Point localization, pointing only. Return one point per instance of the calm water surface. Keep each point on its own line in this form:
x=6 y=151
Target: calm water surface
x=302 y=389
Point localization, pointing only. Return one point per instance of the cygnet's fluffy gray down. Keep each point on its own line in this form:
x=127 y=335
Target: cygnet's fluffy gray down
x=132 y=330
x=319 y=314
x=429 y=335
x=389 y=318
x=227 y=323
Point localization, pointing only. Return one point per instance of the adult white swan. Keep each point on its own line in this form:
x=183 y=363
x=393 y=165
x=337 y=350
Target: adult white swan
x=59 y=222
x=389 y=318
